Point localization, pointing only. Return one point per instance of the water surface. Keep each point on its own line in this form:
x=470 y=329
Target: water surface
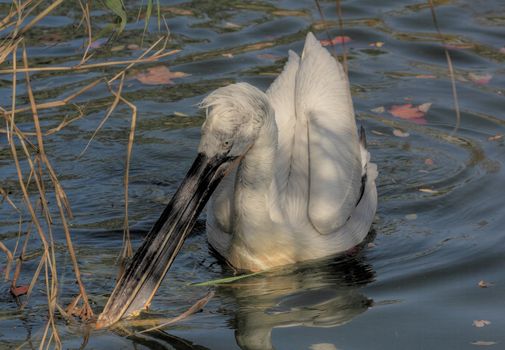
x=414 y=287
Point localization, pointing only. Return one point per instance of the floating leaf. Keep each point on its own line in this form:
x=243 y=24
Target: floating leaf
x=289 y=13
x=179 y=11
x=480 y=79
x=379 y=109
x=428 y=161
x=269 y=56
x=117 y=48
x=323 y=346
x=483 y=343
x=339 y=39
x=425 y=76
x=410 y=112
x=377 y=44
x=484 y=284
x=19 y=290
x=159 y=75
x=399 y=133
x=425 y=107
x=411 y=216
x=427 y=190
x=481 y=323
x=231 y=25
x=495 y=137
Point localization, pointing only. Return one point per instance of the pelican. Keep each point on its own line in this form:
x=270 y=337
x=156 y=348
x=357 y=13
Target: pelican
x=286 y=174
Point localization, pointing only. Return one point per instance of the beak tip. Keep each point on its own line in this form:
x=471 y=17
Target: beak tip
x=103 y=322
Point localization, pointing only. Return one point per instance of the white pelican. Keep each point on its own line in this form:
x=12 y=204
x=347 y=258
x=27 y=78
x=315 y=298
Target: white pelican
x=299 y=184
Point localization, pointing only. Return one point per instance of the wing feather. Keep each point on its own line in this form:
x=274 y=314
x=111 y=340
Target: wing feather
x=323 y=102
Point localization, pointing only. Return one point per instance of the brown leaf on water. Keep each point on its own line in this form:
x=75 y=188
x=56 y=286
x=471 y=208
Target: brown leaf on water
x=483 y=343
x=288 y=13
x=339 y=39
x=425 y=76
x=485 y=284
x=495 y=137
x=19 y=290
x=481 y=323
x=429 y=161
x=179 y=11
x=159 y=75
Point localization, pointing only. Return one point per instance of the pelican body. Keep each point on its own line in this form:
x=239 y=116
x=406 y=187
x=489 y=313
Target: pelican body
x=286 y=174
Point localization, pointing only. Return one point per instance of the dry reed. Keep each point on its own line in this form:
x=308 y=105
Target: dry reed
x=34 y=168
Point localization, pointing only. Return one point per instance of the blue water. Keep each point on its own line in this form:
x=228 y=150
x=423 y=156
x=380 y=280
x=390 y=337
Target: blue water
x=414 y=287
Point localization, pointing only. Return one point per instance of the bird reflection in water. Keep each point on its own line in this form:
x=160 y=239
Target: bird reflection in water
x=323 y=293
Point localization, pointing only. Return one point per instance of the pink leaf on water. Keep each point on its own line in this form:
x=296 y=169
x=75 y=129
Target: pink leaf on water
x=408 y=111
x=19 y=290
x=339 y=39
x=159 y=75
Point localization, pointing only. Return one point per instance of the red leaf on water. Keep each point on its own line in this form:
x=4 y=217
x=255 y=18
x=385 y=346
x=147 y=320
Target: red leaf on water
x=339 y=39
x=159 y=75
x=408 y=111
x=19 y=290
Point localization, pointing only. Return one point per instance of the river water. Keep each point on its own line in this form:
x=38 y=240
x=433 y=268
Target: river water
x=440 y=223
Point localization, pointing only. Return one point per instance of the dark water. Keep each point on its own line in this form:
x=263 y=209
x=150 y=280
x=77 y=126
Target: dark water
x=415 y=287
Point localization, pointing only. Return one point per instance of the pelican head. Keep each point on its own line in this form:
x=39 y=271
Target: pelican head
x=235 y=116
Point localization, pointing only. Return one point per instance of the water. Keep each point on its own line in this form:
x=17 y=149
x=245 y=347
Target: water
x=415 y=287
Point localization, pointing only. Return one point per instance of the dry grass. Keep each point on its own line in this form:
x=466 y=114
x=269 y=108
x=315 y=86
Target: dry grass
x=33 y=165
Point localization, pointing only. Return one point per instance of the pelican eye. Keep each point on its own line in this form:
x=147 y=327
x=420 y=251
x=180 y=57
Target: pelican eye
x=227 y=143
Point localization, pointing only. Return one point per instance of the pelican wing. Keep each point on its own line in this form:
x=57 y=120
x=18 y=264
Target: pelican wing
x=281 y=95
x=324 y=111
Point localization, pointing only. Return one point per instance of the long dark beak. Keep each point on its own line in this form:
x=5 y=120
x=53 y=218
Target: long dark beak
x=143 y=275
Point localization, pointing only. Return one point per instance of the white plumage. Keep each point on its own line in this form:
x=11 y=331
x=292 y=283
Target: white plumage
x=304 y=187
